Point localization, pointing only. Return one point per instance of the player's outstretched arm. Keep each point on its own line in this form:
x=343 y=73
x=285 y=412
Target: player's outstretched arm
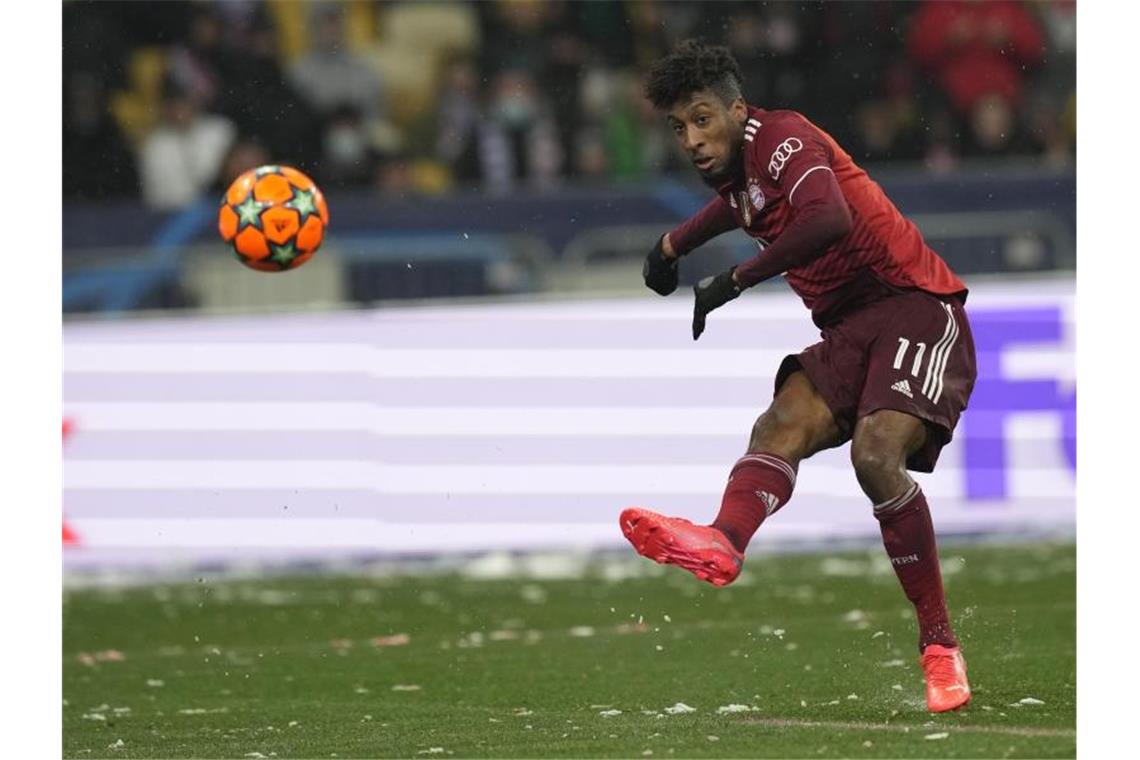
x=821 y=218
x=714 y=219
x=660 y=268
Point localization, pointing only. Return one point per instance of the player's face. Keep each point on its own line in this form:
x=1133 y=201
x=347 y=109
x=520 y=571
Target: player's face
x=710 y=133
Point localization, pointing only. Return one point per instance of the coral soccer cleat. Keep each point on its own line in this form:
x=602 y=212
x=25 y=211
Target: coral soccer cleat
x=946 y=684
x=702 y=550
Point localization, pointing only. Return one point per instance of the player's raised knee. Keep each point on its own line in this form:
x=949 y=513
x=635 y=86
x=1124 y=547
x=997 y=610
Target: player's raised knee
x=874 y=458
x=879 y=451
x=778 y=431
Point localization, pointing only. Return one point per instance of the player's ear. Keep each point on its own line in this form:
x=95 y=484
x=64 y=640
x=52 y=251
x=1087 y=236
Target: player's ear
x=739 y=110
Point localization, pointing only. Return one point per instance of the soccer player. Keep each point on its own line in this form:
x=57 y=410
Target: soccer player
x=893 y=371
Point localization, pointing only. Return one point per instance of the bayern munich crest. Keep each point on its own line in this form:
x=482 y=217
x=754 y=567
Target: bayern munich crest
x=755 y=194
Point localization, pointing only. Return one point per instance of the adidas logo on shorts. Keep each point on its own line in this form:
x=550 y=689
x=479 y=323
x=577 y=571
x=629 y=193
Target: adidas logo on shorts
x=903 y=387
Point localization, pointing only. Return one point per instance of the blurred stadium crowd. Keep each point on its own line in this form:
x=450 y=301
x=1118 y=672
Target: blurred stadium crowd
x=165 y=101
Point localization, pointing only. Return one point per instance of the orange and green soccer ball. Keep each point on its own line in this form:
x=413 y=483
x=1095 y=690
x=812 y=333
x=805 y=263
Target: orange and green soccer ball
x=274 y=217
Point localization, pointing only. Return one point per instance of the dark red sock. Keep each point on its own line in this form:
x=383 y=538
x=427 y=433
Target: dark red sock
x=758 y=485
x=908 y=536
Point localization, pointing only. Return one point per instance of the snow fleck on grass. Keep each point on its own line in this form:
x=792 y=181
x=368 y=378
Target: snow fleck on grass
x=522 y=711
x=108 y=655
x=118 y=744
x=473 y=639
x=1030 y=701
x=582 y=631
x=934 y=737
x=253 y=754
x=712 y=738
x=734 y=708
x=432 y=751
x=877 y=634
x=680 y=709
x=897 y=687
x=94 y=716
x=609 y=713
x=892 y=664
x=156 y=683
x=631 y=628
x=852 y=696
x=405 y=687
x=395 y=640
x=202 y=710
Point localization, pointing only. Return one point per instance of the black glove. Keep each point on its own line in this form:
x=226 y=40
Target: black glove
x=660 y=273
x=712 y=293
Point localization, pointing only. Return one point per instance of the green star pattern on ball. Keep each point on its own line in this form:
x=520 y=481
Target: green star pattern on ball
x=249 y=213
x=304 y=203
x=283 y=254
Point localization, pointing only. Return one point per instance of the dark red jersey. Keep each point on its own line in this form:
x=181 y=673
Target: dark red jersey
x=883 y=251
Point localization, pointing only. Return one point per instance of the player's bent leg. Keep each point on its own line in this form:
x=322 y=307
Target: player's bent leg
x=880 y=447
x=796 y=425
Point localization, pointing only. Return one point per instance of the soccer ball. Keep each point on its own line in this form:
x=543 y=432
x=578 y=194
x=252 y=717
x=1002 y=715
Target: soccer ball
x=274 y=217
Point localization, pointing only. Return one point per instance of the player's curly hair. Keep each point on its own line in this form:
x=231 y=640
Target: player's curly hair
x=693 y=66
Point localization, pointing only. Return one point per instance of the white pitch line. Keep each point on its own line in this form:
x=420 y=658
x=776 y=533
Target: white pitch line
x=1061 y=733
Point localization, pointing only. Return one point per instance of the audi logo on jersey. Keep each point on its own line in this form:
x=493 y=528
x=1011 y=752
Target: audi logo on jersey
x=781 y=155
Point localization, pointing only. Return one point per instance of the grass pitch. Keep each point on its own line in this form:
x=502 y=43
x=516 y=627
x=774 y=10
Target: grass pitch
x=805 y=656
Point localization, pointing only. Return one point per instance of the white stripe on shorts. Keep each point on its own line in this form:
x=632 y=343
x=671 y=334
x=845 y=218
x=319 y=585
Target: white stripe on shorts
x=928 y=383
x=945 y=358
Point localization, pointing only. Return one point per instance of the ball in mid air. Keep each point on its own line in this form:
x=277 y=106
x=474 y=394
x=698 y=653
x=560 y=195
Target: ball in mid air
x=274 y=217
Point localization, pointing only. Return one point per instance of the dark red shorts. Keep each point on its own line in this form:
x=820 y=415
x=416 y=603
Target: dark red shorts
x=912 y=352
